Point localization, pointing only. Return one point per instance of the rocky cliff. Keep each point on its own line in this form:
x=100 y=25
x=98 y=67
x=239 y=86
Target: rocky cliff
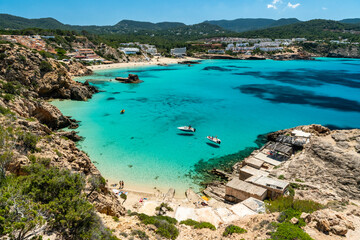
x=330 y=163
x=26 y=80
x=40 y=76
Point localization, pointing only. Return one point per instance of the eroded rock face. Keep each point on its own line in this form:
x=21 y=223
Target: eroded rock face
x=328 y=221
x=44 y=76
x=50 y=115
x=330 y=162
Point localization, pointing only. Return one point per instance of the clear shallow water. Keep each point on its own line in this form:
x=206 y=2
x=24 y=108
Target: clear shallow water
x=235 y=100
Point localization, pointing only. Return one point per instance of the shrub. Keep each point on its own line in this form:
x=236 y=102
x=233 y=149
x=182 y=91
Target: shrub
x=288 y=231
x=30 y=140
x=231 y=229
x=189 y=222
x=2 y=56
x=8 y=97
x=22 y=58
x=290 y=213
x=115 y=218
x=164 y=205
x=10 y=88
x=54 y=195
x=58 y=153
x=282 y=203
x=198 y=225
x=165 y=225
x=140 y=234
x=281 y=177
x=5 y=111
x=205 y=225
x=32 y=158
x=45 y=67
x=123 y=196
x=167 y=230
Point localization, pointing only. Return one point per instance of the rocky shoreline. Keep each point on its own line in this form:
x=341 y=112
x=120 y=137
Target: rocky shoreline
x=325 y=170
x=27 y=81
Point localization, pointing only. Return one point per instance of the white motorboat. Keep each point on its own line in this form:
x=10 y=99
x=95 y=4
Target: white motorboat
x=187 y=129
x=214 y=139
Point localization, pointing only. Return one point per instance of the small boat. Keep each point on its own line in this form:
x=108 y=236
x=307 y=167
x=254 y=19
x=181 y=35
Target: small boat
x=122 y=111
x=214 y=139
x=187 y=129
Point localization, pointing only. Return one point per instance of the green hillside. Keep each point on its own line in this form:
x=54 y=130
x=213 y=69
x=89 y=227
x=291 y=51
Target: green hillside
x=14 y=22
x=312 y=30
x=351 y=20
x=248 y=24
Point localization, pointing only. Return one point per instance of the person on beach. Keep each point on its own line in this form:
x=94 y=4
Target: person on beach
x=119 y=184
x=122 y=184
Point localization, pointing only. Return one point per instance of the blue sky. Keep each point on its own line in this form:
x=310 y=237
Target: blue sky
x=109 y=12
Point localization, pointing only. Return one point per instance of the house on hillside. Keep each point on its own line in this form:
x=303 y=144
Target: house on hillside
x=178 y=52
x=237 y=190
x=129 y=51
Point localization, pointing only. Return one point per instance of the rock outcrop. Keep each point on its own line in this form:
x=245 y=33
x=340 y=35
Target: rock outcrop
x=132 y=78
x=44 y=77
x=330 y=161
x=327 y=221
x=62 y=153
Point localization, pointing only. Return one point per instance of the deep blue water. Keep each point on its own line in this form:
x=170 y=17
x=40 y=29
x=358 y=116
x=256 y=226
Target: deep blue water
x=235 y=100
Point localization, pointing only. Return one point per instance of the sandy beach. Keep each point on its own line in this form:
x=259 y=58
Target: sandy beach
x=154 y=61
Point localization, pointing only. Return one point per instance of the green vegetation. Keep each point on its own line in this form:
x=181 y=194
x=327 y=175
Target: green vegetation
x=198 y=225
x=140 y=234
x=164 y=205
x=5 y=111
x=123 y=196
x=290 y=208
x=248 y=24
x=45 y=67
x=312 y=30
x=231 y=229
x=288 y=231
x=29 y=140
x=8 y=97
x=282 y=203
x=51 y=196
x=165 y=225
x=281 y=177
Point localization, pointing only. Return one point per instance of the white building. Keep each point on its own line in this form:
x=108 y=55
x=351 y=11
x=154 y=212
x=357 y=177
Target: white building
x=128 y=51
x=178 y=52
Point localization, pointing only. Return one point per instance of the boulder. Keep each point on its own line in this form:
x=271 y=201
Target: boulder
x=328 y=220
x=50 y=115
x=294 y=220
x=132 y=78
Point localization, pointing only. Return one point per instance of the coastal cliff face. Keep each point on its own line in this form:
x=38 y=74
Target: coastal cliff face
x=330 y=163
x=26 y=79
x=327 y=50
x=42 y=77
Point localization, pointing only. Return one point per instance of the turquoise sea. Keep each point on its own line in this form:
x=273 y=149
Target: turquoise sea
x=234 y=99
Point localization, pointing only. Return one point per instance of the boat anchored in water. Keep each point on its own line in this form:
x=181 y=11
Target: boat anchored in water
x=187 y=129
x=214 y=139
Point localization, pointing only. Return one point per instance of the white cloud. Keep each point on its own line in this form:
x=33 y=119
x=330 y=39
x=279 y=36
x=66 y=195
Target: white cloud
x=274 y=4
x=324 y=8
x=293 y=5
x=271 y=6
